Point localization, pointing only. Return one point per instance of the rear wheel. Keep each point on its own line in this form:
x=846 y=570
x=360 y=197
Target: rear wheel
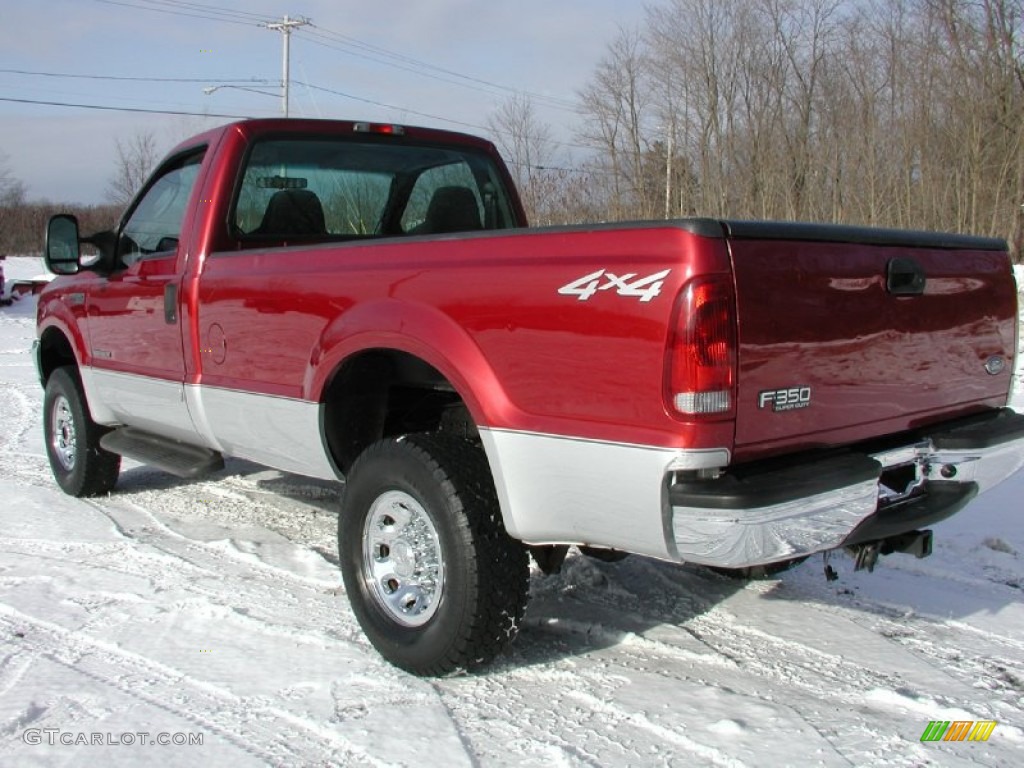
x=434 y=580
x=80 y=466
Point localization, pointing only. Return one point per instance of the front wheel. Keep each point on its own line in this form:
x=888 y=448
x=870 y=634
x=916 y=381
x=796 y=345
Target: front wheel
x=434 y=580
x=80 y=466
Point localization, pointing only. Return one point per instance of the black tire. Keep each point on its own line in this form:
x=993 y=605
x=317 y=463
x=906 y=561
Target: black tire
x=80 y=466
x=459 y=613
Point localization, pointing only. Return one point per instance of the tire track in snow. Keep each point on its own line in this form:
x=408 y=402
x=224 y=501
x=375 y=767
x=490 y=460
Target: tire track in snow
x=19 y=422
x=260 y=600
x=20 y=417
x=784 y=672
x=140 y=524
x=768 y=655
x=751 y=646
x=972 y=656
x=265 y=589
x=298 y=509
x=498 y=714
x=559 y=700
x=268 y=733
x=707 y=754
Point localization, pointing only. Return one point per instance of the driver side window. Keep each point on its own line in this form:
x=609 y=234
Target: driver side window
x=154 y=226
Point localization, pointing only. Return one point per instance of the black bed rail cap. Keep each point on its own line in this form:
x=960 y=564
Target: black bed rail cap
x=839 y=233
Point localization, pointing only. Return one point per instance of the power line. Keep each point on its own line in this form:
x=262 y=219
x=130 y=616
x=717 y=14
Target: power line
x=219 y=9
x=475 y=126
x=584 y=171
x=307 y=85
x=261 y=81
x=416 y=65
x=334 y=40
x=248 y=80
x=406 y=110
x=252 y=23
x=417 y=68
x=351 y=46
x=123 y=109
x=326 y=42
x=391 y=106
x=241 y=117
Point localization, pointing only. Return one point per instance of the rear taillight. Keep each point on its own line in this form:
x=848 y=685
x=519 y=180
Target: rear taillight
x=701 y=364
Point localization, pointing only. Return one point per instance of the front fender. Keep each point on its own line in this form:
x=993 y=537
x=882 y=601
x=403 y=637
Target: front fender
x=59 y=314
x=54 y=315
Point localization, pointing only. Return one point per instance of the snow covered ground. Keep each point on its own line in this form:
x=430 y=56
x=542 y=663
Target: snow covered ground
x=214 y=611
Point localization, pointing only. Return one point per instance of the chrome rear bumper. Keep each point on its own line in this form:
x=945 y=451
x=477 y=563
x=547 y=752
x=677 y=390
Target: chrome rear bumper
x=769 y=515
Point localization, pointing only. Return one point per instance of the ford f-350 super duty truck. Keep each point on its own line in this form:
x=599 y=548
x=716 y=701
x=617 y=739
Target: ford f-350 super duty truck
x=364 y=302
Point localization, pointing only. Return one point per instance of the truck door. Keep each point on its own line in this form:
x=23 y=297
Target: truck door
x=134 y=323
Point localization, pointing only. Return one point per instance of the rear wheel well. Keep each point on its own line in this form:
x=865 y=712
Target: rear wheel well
x=384 y=393
x=55 y=351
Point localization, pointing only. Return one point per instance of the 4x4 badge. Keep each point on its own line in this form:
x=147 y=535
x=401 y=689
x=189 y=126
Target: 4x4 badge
x=643 y=288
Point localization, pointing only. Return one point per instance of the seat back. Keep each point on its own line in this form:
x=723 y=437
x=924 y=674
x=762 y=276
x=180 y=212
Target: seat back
x=452 y=209
x=293 y=212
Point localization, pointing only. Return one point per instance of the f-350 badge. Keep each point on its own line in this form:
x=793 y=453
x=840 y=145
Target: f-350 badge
x=788 y=399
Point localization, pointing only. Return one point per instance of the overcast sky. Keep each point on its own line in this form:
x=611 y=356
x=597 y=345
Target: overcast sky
x=480 y=51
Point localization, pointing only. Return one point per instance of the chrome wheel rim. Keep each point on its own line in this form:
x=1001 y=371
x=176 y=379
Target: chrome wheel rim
x=63 y=439
x=402 y=561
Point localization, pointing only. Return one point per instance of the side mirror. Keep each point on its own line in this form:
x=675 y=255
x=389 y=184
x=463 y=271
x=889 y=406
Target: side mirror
x=63 y=254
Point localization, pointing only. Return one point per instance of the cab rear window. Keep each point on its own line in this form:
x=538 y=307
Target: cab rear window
x=333 y=189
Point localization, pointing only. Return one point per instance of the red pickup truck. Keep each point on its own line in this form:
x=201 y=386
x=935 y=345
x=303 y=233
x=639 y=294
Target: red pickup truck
x=364 y=302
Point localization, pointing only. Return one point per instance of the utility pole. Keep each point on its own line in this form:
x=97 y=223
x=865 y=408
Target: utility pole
x=285 y=28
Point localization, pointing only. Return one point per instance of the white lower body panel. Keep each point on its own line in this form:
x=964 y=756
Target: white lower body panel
x=278 y=432
x=555 y=489
x=151 y=404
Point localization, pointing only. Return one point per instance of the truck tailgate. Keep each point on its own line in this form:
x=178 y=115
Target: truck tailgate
x=846 y=334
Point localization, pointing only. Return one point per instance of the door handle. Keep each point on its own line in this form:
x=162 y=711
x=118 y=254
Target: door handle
x=905 y=277
x=171 y=303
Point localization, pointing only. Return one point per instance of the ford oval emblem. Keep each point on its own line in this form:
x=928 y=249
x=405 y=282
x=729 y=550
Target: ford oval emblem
x=995 y=365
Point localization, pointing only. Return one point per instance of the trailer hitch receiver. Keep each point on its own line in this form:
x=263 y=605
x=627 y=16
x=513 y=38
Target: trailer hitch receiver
x=916 y=543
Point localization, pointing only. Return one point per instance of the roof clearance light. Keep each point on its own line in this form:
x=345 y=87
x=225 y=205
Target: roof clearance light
x=386 y=129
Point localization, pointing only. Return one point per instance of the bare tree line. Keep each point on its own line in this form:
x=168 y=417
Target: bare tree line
x=901 y=113
x=23 y=221
x=137 y=156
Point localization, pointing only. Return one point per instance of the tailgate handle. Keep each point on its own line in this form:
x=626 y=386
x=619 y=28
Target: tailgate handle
x=905 y=277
